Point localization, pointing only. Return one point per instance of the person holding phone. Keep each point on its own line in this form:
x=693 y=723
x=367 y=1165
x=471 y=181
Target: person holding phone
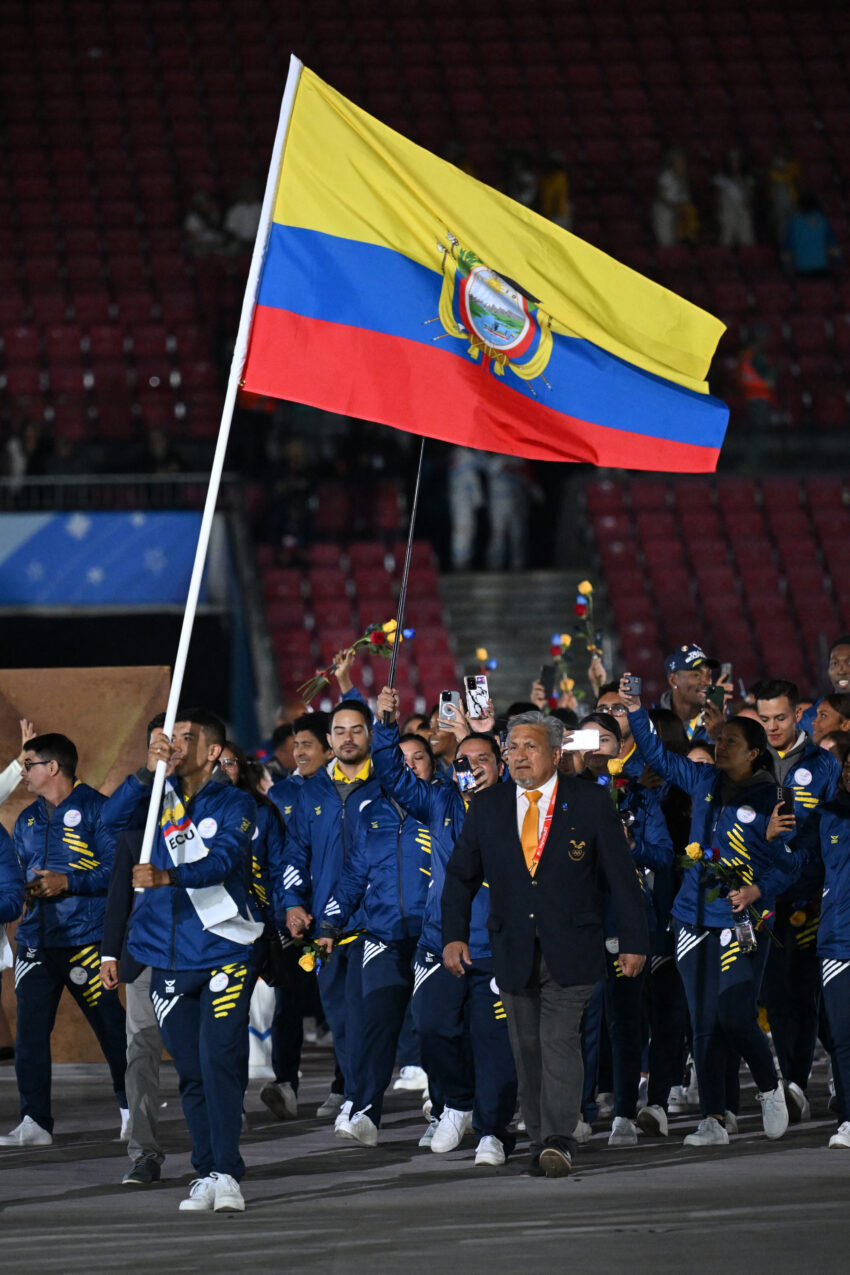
x=736 y=821
x=461 y=1024
x=807 y=776
x=689 y=672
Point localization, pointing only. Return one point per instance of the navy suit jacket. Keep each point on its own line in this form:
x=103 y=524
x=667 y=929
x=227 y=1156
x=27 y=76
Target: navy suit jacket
x=563 y=905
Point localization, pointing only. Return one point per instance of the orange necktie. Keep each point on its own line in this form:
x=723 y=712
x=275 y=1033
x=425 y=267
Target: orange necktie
x=530 y=835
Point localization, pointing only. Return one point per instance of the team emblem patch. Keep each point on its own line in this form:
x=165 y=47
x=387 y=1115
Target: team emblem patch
x=577 y=849
x=501 y=322
x=494 y=987
x=802 y=776
x=219 y=981
x=71 y=818
x=78 y=975
x=612 y=946
x=746 y=814
x=725 y=938
x=207 y=828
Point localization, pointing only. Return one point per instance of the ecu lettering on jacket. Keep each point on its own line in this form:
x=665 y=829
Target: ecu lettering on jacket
x=204 y=920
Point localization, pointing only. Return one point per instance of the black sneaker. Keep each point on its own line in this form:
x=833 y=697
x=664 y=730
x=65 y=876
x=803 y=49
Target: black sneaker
x=143 y=1173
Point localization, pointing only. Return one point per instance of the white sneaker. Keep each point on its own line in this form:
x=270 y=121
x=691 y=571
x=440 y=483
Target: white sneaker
x=201 y=1197
x=582 y=1133
x=450 y=1130
x=331 y=1106
x=411 y=1078
x=623 y=1133
x=653 y=1120
x=797 y=1104
x=280 y=1099
x=425 y=1140
x=774 y=1112
x=677 y=1101
x=643 y=1089
x=27 y=1134
x=228 y=1197
x=710 y=1133
x=841 y=1138
x=427 y=1108
x=124 y=1135
x=731 y=1122
x=605 y=1105
x=360 y=1129
x=342 y=1117
x=490 y=1151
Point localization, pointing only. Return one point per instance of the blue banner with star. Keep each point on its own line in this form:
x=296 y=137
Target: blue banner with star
x=97 y=559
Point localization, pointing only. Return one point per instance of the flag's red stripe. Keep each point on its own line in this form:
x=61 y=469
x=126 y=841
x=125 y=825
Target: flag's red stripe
x=357 y=372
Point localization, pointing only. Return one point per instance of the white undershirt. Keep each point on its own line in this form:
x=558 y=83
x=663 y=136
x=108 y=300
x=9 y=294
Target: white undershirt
x=522 y=803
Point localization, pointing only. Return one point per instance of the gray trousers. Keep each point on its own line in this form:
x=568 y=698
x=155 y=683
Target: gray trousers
x=144 y=1052
x=544 y=1021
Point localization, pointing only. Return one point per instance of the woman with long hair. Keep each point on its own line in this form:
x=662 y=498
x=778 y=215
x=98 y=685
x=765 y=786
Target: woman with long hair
x=737 y=831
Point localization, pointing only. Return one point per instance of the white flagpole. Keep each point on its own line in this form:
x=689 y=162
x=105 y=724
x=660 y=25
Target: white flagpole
x=237 y=364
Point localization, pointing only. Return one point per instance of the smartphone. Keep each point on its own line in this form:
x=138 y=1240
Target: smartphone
x=466 y=781
x=477 y=696
x=583 y=741
x=632 y=685
x=726 y=671
x=785 y=797
x=449 y=707
x=547 y=677
x=717 y=696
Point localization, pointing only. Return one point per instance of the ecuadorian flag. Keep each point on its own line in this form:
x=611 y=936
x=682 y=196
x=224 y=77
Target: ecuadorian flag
x=399 y=289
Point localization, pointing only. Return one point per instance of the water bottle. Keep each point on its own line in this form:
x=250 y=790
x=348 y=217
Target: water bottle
x=745 y=934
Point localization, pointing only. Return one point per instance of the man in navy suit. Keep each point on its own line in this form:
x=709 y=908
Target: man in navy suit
x=549 y=847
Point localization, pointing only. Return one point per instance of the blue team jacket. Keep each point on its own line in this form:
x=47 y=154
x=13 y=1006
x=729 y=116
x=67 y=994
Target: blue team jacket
x=285 y=793
x=267 y=864
x=73 y=839
x=11 y=880
x=388 y=871
x=814 y=778
x=441 y=808
x=320 y=836
x=834 y=928
x=738 y=830
x=165 y=931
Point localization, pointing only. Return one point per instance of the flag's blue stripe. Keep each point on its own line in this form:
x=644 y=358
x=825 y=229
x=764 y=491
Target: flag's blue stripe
x=361 y=285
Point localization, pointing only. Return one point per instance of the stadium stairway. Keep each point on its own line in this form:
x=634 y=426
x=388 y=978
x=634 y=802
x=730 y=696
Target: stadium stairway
x=513 y=614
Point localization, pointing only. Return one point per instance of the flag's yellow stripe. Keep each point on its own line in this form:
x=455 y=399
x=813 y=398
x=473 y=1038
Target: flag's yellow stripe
x=345 y=173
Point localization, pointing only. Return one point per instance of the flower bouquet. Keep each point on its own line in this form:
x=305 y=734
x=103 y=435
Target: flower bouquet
x=380 y=638
x=559 y=650
x=727 y=877
x=311 y=952
x=583 y=608
x=485 y=663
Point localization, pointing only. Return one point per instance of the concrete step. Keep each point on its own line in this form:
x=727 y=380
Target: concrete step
x=513 y=615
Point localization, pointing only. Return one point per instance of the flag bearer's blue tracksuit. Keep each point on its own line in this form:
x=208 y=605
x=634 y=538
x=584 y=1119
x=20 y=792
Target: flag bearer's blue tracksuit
x=792 y=981
x=320 y=836
x=834 y=940
x=58 y=942
x=199 y=980
x=461 y=1022
x=388 y=872
x=722 y=983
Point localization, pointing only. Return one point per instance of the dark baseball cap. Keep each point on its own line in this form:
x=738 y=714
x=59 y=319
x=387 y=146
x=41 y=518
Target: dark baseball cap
x=688 y=657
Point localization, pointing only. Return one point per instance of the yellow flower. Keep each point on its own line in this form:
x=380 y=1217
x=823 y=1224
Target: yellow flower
x=308 y=962
x=481 y=654
x=567 y=684
x=585 y=587
x=391 y=637
x=797 y=918
x=566 y=641
x=694 y=850
x=390 y=626
x=615 y=766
